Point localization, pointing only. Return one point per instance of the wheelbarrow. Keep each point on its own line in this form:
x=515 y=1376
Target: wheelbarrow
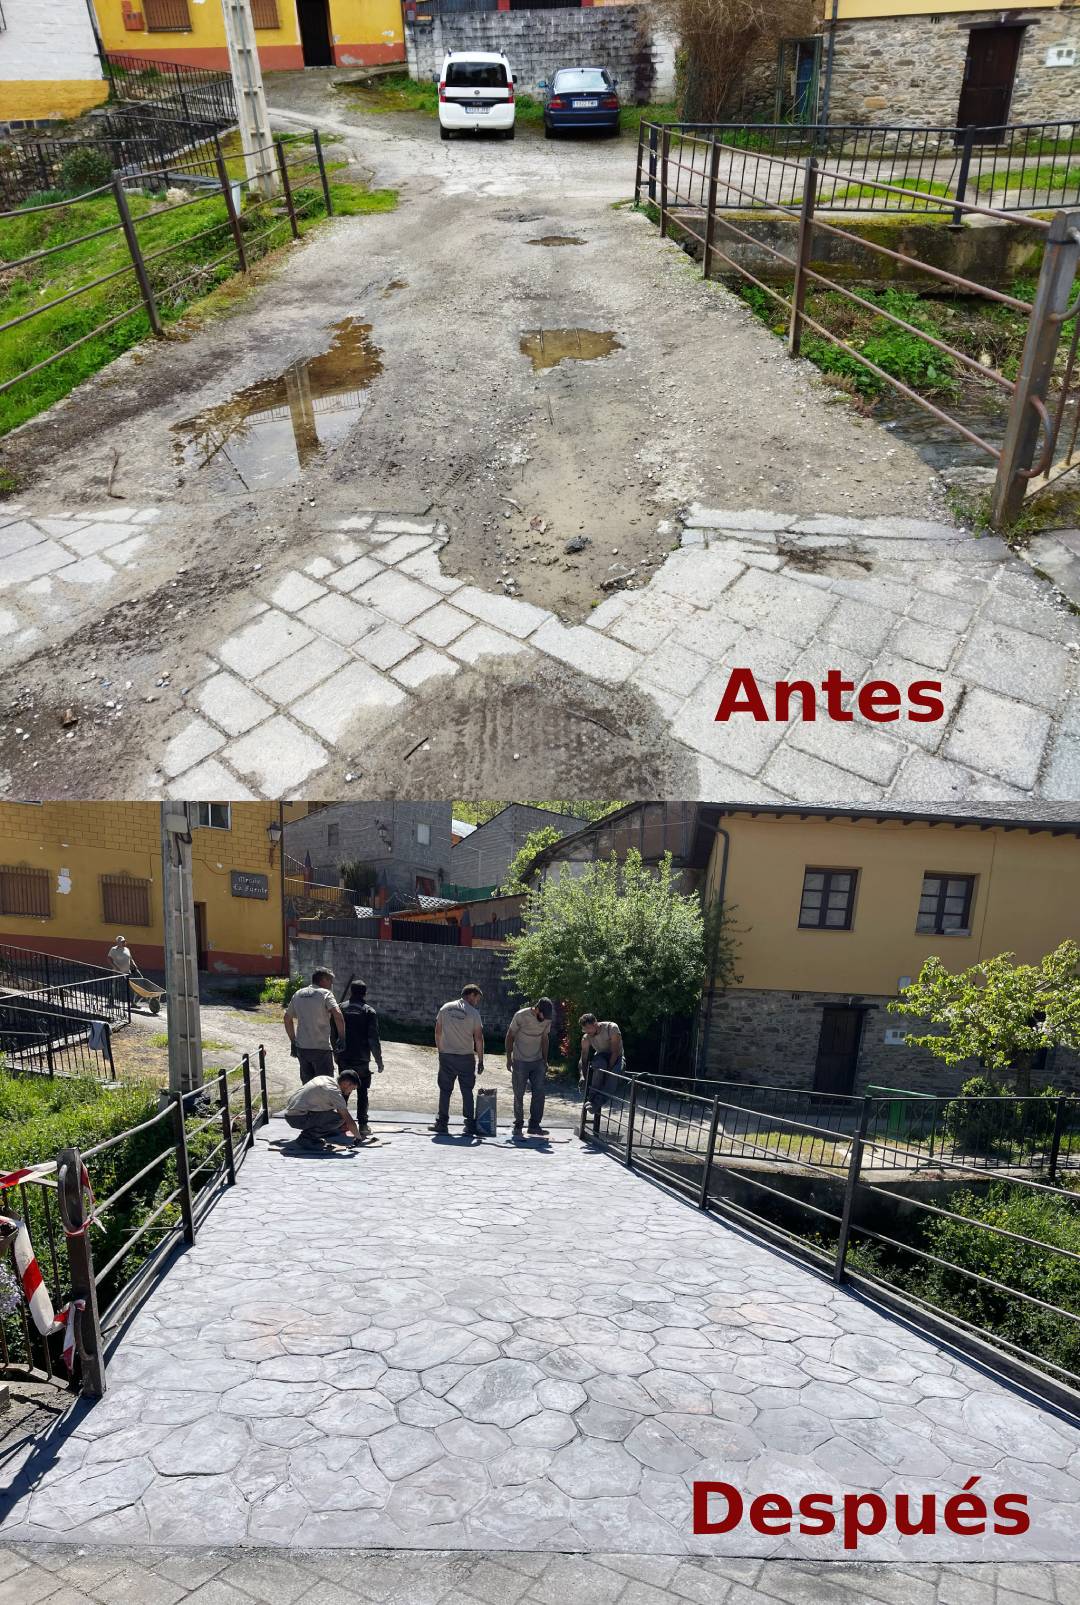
x=150 y=994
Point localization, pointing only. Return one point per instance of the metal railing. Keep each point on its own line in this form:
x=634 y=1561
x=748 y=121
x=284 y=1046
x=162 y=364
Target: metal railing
x=245 y=223
x=1014 y=167
x=128 y=142
x=297 y=886
x=690 y=179
x=198 y=1142
x=50 y=1042
x=196 y=94
x=65 y=983
x=686 y=1141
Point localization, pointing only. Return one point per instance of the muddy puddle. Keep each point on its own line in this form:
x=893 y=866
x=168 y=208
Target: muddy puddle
x=548 y=347
x=266 y=434
x=556 y=239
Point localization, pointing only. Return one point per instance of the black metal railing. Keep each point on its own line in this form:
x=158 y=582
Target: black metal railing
x=687 y=1141
x=65 y=984
x=36 y=1040
x=1014 y=167
x=197 y=1143
x=196 y=94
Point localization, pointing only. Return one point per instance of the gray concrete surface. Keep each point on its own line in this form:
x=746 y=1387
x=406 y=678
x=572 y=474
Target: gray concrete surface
x=439 y=1345
x=402 y=611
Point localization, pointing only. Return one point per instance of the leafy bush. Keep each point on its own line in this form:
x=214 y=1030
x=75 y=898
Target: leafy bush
x=1050 y=1277
x=983 y=1126
x=276 y=989
x=84 y=169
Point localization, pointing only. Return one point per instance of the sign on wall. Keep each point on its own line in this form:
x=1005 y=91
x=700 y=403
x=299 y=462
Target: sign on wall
x=246 y=884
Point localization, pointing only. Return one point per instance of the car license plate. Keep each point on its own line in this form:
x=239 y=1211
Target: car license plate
x=476 y=108
x=585 y=105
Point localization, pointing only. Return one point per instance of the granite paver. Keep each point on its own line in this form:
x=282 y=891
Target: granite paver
x=467 y=1348
x=321 y=660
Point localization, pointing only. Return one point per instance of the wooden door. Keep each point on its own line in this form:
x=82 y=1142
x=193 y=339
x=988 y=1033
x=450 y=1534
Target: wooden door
x=838 y=1049
x=989 y=72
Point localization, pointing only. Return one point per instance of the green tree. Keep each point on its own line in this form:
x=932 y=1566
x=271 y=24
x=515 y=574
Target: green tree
x=997 y=1012
x=359 y=877
x=619 y=940
x=520 y=866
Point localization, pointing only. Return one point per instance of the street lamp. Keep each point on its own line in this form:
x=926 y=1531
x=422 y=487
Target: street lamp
x=273 y=833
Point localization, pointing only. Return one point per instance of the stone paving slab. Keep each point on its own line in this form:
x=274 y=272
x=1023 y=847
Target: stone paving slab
x=439 y=1345
x=57 y=1574
x=322 y=659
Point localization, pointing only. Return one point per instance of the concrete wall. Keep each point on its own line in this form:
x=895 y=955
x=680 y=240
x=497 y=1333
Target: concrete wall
x=380 y=833
x=410 y=981
x=772 y=1037
x=49 y=66
x=994 y=254
x=910 y=69
x=623 y=38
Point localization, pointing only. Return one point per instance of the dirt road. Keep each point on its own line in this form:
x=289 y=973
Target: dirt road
x=447 y=374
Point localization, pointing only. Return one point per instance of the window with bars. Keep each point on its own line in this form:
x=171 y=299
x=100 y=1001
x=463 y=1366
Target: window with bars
x=25 y=891
x=166 y=16
x=125 y=900
x=945 y=905
x=211 y=816
x=264 y=14
x=828 y=899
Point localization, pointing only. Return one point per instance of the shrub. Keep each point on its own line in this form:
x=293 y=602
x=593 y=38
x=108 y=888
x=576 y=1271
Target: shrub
x=276 y=989
x=85 y=168
x=981 y=1127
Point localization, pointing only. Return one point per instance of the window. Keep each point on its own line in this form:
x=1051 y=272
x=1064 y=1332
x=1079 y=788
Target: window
x=945 y=905
x=25 y=891
x=423 y=835
x=333 y=835
x=211 y=816
x=425 y=886
x=264 y=14
x=582 y=80
x=125 y=900
x=475 y=75
x=166 y=16
x=828 y=899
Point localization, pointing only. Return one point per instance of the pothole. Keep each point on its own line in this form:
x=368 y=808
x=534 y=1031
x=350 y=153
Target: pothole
x=556 y=239
x=548 y=347
x=267 y=433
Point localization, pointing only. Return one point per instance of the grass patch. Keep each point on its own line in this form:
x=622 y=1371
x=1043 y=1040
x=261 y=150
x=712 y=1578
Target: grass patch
x=190 y=253
x=1043 y=175
x=160 y=1039
x=871 y=192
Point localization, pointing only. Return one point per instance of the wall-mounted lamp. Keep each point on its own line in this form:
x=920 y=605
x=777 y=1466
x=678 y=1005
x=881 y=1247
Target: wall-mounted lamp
x=273 y=832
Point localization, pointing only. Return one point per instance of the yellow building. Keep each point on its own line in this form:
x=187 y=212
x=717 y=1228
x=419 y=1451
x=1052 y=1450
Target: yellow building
x=74 y=876
x=290 y=33
x=834 y=910
x=49 y=63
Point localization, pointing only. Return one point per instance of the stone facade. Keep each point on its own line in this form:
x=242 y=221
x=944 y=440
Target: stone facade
x=623 y=38
x=910 y=69
x=383 y=834
x=408 y=982
x=483 y=857
x=772 y=1038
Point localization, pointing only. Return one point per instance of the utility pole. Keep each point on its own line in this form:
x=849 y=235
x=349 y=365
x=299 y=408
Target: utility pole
x=181 y=954
x=251 y=112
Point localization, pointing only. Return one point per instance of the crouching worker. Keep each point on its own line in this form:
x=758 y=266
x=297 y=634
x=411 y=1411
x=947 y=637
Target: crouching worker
x=601 y=1060
x=319 y=1111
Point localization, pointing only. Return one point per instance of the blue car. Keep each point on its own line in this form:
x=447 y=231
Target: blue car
x=580 y=97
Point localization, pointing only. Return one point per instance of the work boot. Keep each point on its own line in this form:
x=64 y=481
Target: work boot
x=443 y=1131
x=539 y=1131
x=469 y=1129
x=308 y=1139
x=518 y=1131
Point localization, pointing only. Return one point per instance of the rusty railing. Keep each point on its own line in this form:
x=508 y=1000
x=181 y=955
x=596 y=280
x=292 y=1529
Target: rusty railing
x=694 y=181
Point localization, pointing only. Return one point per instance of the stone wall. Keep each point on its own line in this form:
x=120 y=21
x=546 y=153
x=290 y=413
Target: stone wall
x=911 y=69
x=383 y=834
x=772 y=1038
x=408 y=982
x=622 y=38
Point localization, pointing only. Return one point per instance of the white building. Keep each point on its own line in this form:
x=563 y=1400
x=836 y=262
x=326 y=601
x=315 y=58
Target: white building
x=49 y=63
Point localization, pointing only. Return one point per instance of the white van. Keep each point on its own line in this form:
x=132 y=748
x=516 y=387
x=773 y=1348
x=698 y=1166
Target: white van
x=476 y=94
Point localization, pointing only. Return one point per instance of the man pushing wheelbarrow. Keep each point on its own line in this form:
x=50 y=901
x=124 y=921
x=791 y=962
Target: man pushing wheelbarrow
x=122 y=960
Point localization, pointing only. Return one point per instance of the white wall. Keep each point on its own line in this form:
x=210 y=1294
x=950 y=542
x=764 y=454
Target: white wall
x=47 y=41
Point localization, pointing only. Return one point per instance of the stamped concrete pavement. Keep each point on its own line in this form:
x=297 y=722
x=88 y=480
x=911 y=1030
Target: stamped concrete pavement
x=431 y=1345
